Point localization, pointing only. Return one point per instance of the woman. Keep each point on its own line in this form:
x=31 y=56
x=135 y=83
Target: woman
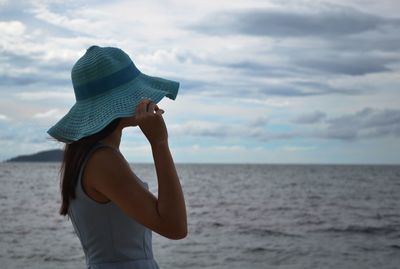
x=112 y=211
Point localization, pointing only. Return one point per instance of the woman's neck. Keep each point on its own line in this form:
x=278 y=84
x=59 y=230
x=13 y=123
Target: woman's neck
x=114 y=139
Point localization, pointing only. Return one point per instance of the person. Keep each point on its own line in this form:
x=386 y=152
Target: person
x=112 y=211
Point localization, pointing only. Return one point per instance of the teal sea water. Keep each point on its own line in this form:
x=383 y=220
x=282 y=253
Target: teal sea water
x=239 y=216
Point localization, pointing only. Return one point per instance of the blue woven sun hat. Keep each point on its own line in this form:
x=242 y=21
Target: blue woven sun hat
x=107 y=85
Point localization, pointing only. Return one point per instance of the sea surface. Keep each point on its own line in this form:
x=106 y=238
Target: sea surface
x=239 y=216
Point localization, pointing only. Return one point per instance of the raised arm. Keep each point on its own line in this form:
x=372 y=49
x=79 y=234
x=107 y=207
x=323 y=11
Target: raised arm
x=166 y=214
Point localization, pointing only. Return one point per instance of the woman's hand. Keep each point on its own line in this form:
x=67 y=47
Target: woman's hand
x=149 y=119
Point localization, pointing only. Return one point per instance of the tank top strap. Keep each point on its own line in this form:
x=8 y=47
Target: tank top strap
x=96 y=146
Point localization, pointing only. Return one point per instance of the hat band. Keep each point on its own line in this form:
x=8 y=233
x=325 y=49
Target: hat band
x=107 y=83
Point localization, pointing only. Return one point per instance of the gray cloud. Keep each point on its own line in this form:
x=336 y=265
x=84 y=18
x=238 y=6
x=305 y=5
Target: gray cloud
x=363 y=124
x=309 y=118
x=338 y=21
x=25 y=12
x=310 y=62
x=189 y=85
x=328 y=89
x=353 y=65
x=366 y=123
x=382 y=41
x=209 y=129
x=44 y=73
x=32 y=132
x=35 y=59
x=254 y=68
x=30 y=79
x=16 y=81
x=17 y=59
x=345 y=35
x=296 y=89
x=323 y=61
x=284 y=90
x=259 y=121
x=254 y=89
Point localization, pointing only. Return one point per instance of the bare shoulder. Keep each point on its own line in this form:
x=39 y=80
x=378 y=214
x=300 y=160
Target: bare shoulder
x=105 y=158
x=107 y=163
x=111 y=175
x=98 y=166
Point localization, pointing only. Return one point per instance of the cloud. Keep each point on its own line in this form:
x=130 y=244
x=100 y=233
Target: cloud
x=44 y=95
x=349 y=65
x=385 y=41
x=3 y=117
x=250 y=77
x=82 y=22
x=265 y=102
x=332 y=39
x=49 y=114
x=229 y=148
x=313 y=117
x=17 y=80
x=297 y=148
x=363 y=124
x=286 y=90
x=338 y=21
x=205 y=128
x=218 y=130
x=302 y=89
x=326 y=88
x=254 y=68
x=31 y=79
x=16 y=132
x=202 y=128
x=258 y=91
x=13 y=28
x=323 y=61
x=366 y=123
x=259 y=121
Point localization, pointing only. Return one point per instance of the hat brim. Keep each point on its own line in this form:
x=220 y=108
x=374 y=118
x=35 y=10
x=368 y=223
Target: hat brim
x=91 y=115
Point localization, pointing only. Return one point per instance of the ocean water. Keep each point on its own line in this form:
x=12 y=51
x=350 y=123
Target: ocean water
x=239 y=216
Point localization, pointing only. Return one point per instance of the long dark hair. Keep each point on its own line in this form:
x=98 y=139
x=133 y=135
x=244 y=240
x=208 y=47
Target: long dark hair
x=74 y=155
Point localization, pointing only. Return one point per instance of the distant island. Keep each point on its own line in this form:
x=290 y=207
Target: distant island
x=54 y=155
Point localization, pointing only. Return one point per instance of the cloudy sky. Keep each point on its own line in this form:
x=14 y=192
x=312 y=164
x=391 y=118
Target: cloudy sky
x=261 y=81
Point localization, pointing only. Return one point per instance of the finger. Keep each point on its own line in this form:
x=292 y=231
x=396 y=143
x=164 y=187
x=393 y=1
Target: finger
x=142 y=106
x=138 y=110
x=151 y=108
x=146 y=104
x=160 y=112
x=157 y=108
